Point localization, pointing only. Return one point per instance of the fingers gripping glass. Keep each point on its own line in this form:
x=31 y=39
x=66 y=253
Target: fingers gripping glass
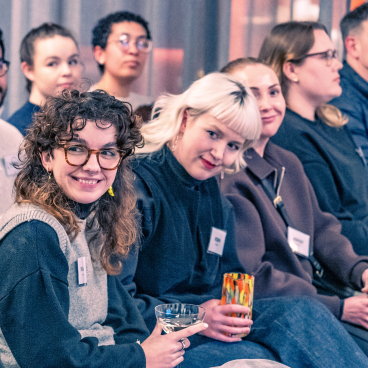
x=4 y=67
x=328 y=56
x=107 y=158
x=141 y=43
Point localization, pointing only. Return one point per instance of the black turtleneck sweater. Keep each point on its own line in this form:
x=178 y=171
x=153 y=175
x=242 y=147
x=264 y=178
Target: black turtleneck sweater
x=178 y=213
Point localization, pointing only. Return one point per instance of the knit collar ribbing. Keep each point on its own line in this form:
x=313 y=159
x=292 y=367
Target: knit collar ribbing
x=176 y=169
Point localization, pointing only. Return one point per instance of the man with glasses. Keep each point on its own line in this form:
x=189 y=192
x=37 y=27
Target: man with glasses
x=121 y=44
x=353 y=102
x=10 y=139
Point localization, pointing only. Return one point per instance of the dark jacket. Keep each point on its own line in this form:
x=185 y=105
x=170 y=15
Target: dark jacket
x=23 y=118
x=261 y=233
x=353 y=102
x=335 y=170
x=178 y=213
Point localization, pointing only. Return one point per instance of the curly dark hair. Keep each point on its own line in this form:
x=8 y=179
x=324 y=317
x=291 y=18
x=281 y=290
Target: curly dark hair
x=114 y=223
x=102 y=31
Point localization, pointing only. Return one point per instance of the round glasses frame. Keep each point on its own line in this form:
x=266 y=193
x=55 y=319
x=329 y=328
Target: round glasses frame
x=4 y=67
x=125 y=41
x=96 y=152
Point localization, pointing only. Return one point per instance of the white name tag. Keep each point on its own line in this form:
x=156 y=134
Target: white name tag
x=217 y=241
x=299 y=242
x=9 y=162
x=82 y=272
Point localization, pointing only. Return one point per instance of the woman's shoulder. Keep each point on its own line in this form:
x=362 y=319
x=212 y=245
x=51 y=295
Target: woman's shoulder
x=282 y=156
x=28 y=212
x=9 y=132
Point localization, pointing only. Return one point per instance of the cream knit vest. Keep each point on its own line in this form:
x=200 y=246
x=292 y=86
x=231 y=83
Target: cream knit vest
x=88 y=304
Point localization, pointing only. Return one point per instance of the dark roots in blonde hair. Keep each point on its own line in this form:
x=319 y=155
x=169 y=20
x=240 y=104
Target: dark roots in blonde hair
x=113 y=226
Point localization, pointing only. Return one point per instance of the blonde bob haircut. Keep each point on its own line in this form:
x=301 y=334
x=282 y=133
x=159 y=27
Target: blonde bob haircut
x=217 y=94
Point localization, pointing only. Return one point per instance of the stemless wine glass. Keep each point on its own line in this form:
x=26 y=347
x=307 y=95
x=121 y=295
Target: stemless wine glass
x=176 y=316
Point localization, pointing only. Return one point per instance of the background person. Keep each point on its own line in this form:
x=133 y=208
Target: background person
x=50 y=61
x=196 y=136
x=302 y=55
x=121 y=43
x=277 y=269
x=353 y=101
x=10 y=139
x=60 y=304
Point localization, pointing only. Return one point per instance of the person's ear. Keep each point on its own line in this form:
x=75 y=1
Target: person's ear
x=99 y=54
x=27 y=71
x=47 y=161
x=184 y=121
x=352 y=46
x=290 y=70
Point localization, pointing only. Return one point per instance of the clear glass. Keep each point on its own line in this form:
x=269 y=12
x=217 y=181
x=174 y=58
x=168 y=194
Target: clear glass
x=175 y=317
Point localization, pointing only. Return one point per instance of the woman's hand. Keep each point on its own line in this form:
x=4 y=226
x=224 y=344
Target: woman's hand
x=356 y=310
x=166 y=351
x=219 y=323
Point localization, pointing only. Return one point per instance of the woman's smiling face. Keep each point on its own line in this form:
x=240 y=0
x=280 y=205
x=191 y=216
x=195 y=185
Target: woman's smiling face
x=87 y=183
x=206 y=146
x=266 y=88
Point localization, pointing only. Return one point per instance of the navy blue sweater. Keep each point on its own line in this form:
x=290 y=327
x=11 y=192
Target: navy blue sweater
x=335 y=169
x=353 y=102
x=23 y=117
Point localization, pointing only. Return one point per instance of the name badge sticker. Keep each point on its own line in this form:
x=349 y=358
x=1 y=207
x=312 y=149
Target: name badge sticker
x=217 y=241
x=299 y=242
x=82 y=271
x=9 y=162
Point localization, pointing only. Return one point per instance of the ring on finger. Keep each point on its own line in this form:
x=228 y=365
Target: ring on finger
x=182 y=345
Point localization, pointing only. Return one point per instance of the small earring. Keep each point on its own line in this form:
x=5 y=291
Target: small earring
x=49 y=172
x=222 y=174
x=173 y=147
x=296 y=80
x=111 y=192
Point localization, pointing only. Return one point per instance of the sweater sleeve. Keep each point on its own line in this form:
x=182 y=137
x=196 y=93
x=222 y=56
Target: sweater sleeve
x=334 y=250
x=146 y=301
x=251 y=251
x=34 y=303
x=146 y=304
x=328 y=197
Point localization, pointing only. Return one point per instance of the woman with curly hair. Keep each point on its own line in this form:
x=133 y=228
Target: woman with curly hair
x=74 y=217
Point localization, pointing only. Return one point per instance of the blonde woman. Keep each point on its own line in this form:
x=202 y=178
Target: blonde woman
x=193 y=137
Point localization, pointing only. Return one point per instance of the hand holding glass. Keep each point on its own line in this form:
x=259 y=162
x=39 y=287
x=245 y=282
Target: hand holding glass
x=238 y=288
x=176 y=316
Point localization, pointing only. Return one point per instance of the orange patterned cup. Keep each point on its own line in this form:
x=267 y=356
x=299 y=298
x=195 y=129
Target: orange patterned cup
x=238 y=288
